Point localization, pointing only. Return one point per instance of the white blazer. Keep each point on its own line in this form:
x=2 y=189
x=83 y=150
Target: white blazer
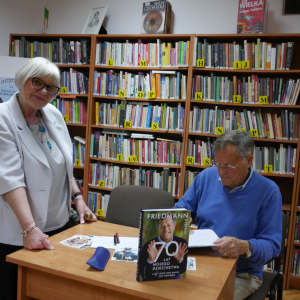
x=23 y=164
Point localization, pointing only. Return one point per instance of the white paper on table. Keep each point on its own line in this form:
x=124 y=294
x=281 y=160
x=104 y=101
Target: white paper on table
x=202 y=238
x=108 y=242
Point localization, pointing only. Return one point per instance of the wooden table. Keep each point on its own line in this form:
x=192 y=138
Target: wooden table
x=64 y=274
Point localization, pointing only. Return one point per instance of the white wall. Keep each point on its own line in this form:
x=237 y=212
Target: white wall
x=124 y=17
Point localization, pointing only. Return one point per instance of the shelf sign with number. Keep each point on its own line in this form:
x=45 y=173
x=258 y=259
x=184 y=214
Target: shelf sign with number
x=119 y=157
x=101 y=183
x=121 y=93
x=245 y=64
x=242 y=129
x=263 y=99
x=151 y=95
x=140 y=94
x=190 y=160
x=206 y=162
x=237 y=65
x=110 y=62
x=254 y=132
x=154 y=126
x=127 y=124
x=219 y=130
x=200 y=63
x=132 y=159
x=268 y=168
x=143 y=63
x=100 y=212
x=198 y=96
x=66 y=118
x=63 y=90
x=237 y=99
x=77 y=162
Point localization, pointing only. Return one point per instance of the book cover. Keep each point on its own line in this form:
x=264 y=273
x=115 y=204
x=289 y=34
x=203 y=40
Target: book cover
x=252 y=16
x=163 y=242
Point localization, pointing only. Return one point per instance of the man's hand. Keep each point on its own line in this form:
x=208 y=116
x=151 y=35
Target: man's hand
x=152 y=251
x=36 y=239
x=182 y=251
x=231 y=247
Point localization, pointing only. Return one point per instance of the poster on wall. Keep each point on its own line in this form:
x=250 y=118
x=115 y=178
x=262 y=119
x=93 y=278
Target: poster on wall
x=7 y=88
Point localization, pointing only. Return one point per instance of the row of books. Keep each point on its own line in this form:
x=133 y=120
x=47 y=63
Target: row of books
x=130 y=85
x=74 y=82
x=264 y=125
x=271 y=264
x=250 y=89
x=160 y=151
x=199 y=151
x=73 y=111
x=260 y=55
x=61 y=52
x=110 y=175
x=297 y=229
x=190 y=177
x=79 y=183
x=98 y=201
x=151 y=54
x=146 y=116
x=78 y=151
x=295 y=265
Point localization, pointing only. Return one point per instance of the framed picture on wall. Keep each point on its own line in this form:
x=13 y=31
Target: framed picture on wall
x=291 y=7
x=95 y=20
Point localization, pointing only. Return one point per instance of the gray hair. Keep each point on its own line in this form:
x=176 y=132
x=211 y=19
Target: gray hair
x=239 y=138
x=37 y=67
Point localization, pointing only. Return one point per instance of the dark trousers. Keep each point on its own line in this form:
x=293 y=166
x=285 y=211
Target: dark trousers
x=9 y=271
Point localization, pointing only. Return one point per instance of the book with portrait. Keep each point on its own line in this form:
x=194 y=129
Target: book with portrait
x=163 y=244
x=156 y=18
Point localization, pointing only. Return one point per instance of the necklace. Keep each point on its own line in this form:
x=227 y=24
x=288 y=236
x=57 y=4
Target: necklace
x=42 y=129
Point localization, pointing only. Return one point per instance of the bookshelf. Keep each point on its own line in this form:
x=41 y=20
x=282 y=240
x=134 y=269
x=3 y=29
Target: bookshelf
x=288 y=183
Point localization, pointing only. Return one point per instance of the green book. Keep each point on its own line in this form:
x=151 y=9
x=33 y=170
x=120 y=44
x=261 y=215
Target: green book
x=92 y=146
x=77 y=112
x=218 y=90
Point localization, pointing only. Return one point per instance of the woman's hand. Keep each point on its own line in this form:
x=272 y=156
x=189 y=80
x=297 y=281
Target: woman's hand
x=36 y=239
x=82 y=209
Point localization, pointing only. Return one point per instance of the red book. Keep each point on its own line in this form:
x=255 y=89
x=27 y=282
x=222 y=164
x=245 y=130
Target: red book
x=98 y=84
x=165 y=152
x=90 y=170
x=239 y=82
x=148 y=178
x=275 y=125
x=199 y=152
x=139 y=50
x=266 y=123
x=147 y=54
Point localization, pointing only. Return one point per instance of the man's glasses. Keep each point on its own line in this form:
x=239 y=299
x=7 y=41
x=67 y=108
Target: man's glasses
x=39 y=84
x=226 y=167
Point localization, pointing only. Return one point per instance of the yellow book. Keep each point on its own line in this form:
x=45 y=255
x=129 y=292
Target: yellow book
x=157 y=77
x=153 y=88
x=97 y=113
x=187 y=52
x=237 y=120
x=258 y=55
x=67 y=110
x=50 y=51
x=31 y=50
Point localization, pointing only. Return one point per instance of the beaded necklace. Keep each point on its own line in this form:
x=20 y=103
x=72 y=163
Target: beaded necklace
x=42 y=129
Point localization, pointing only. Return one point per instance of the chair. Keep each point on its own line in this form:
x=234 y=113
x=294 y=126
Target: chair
x=272 y=281
x=125 y=203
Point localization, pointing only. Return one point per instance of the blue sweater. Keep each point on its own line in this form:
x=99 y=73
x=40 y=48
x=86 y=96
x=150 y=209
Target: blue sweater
x=253 y=213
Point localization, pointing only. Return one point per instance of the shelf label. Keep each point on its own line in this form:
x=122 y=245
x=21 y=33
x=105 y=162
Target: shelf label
x=242 y=129
x=110 y=62
x=198 y=96
x=77 y=162
x=245 y=64
x=268 y=168
x=237 y=99
x=206 y=162
x=151 y=95
x=101 y=183
x=140 y=94
x=119 y=157
x=263 y=99
x=189 y=160
x=254 y=132
x=100 y=212
x=132 y=159
x=200 y=63
x=66 y=118
x=237 y=65
x=143 y=63
x=127 y=124
x=121 y=93
x=219 y=130
x=63 y=90
x=154 y=126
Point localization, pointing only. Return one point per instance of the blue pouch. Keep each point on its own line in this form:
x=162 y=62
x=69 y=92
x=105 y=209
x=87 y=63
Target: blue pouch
x=99 y=259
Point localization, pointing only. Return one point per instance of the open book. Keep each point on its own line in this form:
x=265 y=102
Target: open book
x=202 y=238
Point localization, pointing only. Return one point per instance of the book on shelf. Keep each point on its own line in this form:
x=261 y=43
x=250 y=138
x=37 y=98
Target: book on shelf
x=78 y=153
x=97 y=202
x=297 y=229
x=156 y=17
x=163 y=242
x=80 y=139
x=295 y=265
x=74 y=82
x=252 y=16
x=79 y=183
x=288 y=217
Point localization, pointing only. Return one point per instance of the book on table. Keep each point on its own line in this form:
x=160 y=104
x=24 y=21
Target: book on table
x=163 y=242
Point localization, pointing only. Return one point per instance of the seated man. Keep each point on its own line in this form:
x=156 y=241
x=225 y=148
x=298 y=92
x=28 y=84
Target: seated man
x=241 y=206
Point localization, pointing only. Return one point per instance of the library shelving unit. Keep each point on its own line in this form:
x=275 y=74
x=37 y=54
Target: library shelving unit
x=288 y=183
x=75 y=129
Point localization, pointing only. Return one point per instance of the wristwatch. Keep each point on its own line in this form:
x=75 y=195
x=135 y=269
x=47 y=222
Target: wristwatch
x=249 y=251
x=76 y=195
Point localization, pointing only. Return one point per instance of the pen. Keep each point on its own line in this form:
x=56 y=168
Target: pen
x=118 y=240
x=115 y=239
